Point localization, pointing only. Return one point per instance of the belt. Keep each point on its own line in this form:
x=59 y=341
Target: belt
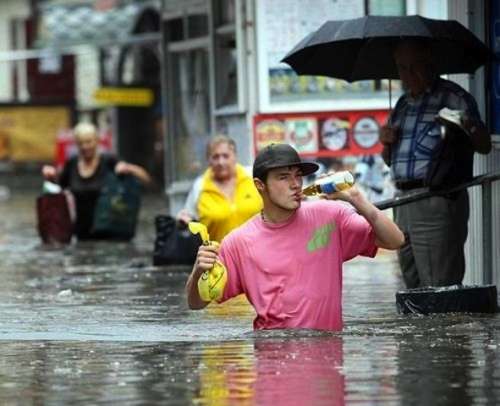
x=409 y=184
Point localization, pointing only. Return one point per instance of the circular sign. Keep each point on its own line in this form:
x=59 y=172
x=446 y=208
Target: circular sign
x=365 y=132
x=301 y=133
x=334 y=134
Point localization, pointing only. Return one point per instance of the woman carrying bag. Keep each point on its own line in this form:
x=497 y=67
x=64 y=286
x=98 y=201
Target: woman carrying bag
x=222 y=198
x=86 y=174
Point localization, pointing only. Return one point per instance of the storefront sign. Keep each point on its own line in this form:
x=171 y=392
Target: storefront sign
x=124 y=96
x=28 y=133
x=325 y=134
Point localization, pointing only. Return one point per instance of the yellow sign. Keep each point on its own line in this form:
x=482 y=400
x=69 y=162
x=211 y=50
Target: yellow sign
x=269 y=131
x=28 y=133
x=122 y=96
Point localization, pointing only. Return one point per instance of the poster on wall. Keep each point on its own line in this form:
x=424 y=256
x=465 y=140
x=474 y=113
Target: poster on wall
x=298 y=18
x=267 y=132
x=28 y=133
x=322 y=134
x=295 y=23
x=282 y=24
x=365 y=132
x=334 y=133
x=336 y=141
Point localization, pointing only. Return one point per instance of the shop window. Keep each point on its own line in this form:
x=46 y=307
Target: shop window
x=386 y=7
x=109 y=61
x=129 y=67
x=175 y=29
x=282 y=88
x=226 y=71
x=191 y=111
x=189 y=91
x=197 y=25
x=224 y=12
x=225 y=54
x=187 y=27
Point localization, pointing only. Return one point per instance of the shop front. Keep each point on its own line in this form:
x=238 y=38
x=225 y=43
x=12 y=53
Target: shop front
x=223 y=75
x=115 y=45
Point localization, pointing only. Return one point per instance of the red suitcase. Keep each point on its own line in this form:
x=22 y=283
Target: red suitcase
x=54 y=218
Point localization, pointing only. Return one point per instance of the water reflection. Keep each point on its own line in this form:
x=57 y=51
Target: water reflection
x=303 y=372
x=425 y=372
x=300 y=371
x=226 y=374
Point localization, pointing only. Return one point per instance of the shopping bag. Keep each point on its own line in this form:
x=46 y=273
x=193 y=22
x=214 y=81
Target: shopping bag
x=174 y=243
x=117 y=208
x=54 y=221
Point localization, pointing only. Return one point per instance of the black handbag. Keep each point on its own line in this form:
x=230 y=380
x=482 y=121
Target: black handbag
x=174 y=243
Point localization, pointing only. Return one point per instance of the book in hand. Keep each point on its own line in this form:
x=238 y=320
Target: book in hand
x=452 y=119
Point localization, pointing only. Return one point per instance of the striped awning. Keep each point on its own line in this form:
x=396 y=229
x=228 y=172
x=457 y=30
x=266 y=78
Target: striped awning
x=63 y=25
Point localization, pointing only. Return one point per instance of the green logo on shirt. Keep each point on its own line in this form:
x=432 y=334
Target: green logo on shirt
x=321 y=237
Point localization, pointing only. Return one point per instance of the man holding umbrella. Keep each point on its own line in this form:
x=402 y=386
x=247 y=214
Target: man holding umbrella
x=416 y=50
x=419 y=156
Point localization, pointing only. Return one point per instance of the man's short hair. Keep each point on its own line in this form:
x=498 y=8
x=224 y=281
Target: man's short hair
x=220 y=139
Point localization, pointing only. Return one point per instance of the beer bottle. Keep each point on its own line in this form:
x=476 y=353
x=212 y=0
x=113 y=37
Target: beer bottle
x=332 y=183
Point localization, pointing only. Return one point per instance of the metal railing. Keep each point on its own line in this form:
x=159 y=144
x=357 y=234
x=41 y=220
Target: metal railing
x=485 y=181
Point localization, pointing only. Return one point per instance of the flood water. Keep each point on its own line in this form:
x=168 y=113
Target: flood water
x=95 y=323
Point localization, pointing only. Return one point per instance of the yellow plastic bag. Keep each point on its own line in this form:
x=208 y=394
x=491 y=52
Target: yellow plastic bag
x=211 y=283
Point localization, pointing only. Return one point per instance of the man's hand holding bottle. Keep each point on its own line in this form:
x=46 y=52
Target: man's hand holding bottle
x=334 y=186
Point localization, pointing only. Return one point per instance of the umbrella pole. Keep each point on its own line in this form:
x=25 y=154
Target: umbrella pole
x=390 y=96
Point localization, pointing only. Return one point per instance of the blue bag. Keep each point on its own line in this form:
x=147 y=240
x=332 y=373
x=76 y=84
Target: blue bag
x=117 y=208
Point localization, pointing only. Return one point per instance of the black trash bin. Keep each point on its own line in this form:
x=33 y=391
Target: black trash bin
x=447 y=299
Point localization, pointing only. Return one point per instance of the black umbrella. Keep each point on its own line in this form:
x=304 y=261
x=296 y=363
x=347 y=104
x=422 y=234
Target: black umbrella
x=362 y=48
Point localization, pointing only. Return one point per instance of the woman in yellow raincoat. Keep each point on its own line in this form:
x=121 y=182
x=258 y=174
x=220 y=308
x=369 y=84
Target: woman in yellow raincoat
x=224 y=196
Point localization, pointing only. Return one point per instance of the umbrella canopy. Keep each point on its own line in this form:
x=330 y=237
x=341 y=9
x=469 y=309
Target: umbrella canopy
x=362 y=48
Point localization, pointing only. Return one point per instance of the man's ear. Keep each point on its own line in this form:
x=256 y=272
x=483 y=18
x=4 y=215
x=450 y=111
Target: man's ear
x=259 y=184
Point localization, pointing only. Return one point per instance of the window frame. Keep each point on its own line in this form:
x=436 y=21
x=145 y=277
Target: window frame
x=224 y=30
x=171 y=51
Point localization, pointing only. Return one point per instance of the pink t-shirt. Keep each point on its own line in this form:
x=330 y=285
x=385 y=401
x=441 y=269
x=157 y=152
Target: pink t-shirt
x=292 y=272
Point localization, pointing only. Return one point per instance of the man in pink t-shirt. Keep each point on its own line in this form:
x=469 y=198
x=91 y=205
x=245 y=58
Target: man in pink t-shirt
x=288 y=261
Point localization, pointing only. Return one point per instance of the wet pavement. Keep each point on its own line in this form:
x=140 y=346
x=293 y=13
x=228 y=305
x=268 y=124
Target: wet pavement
x=95 y=323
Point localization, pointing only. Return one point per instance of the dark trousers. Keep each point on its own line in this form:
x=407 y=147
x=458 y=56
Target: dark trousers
x=435 y=231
